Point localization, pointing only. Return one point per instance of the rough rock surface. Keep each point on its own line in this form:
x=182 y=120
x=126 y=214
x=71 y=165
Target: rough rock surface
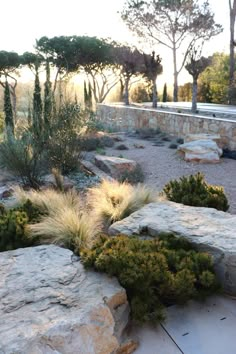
x=210 y=230
x=50 y=304
x=115 y=166
x=193 y=137
x=206 y=151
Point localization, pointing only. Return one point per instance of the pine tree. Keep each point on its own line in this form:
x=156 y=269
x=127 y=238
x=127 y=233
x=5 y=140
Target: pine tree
x=37 y=107
x=48 y=101
x=164 y=98
x=9 y=121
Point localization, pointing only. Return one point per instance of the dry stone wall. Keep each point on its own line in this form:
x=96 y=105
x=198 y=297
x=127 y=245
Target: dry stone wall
x=130 y=118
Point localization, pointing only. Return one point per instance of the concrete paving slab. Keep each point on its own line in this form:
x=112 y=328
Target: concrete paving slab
x=154 y=340
x=204 y=328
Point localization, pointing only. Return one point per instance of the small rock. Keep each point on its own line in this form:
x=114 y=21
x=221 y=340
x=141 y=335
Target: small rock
x=115 y=166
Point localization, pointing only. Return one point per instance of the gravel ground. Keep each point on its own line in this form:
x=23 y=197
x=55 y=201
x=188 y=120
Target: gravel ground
x=161 y=164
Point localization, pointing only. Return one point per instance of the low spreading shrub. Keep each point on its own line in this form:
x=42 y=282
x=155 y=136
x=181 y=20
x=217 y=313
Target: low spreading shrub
x=133 y=176
x=112 y=201
x=91 y=142
x=194 y=191
x=155 y=273
x=13 y=227
x=173 y=146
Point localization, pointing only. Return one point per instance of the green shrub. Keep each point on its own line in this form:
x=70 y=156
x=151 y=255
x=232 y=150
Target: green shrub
x=173 y=146
x=155 y=273
x=194 y=191
x=23 y=159
x=13 y=224
x=62 y=148
x=133 y=176
x=91 y=142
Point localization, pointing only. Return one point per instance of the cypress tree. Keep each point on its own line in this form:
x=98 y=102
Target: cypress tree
x=85 y=94
x=37 y=107
x=48 y=101
x=164 y=98
x=90 y=104
x=29 y=115
x=9 y=121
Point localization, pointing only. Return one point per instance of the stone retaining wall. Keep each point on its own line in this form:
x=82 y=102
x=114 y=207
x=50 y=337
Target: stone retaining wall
x=130 y=118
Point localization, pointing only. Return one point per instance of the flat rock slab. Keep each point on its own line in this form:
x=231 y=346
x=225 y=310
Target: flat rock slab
x=50 y=304
x=154 y=340
x=208 y=229
x=196 y=328
x=203 y=328
x=114 y=166
x=193 y=137
x=205 y=151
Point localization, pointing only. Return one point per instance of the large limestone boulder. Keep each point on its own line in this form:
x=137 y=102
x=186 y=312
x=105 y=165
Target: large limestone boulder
x=115 y=166
x=210 y=230
x=202 y=136
x=204 y=151
x=50 y=304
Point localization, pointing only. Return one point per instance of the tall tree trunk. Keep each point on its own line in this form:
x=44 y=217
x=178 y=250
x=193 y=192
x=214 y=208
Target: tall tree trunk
x=126 y=93
x=154 y=94
x=121 y=90
x=194 y=96
x=232 y=93
x=175 y=94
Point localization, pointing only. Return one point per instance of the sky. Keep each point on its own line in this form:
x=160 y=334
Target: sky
x=24 y=21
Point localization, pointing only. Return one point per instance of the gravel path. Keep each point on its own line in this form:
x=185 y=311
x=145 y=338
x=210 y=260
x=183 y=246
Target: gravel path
x=161 y=164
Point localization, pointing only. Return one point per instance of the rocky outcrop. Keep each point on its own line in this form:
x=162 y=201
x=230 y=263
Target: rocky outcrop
x=114 y=166
x=210 y=230
x=213 y=137
x=204 y=151
x=50 y=304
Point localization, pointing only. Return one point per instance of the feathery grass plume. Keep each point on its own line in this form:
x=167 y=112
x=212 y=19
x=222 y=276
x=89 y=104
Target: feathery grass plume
x=48 y=201
x=112 y=201
x=67 y=227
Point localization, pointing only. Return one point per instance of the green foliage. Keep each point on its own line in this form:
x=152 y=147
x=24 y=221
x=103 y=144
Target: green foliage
x=185 y=92
x=92 y=142
x=216 y=77
x=48 y=101
x=194 y=191
x=133 y=176
x=37 y=108
x=13 y=229
x=141 y=93
x=88 y=96
x=22 y=158
x=155 y=273
x=164 y=95
x=9 y=121
x=1 y=122
x=62 y=147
